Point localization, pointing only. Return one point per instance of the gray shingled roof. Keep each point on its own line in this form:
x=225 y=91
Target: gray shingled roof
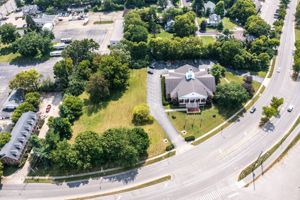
x=177 y=84
x=15 y=98
x=19 y=136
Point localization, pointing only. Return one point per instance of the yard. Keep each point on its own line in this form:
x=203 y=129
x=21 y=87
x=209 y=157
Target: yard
x=199 y=124
x=6 y=55
x=227 y=23
x=117 y=112
x=210 y=117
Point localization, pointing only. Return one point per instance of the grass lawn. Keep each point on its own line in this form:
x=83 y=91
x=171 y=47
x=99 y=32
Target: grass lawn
x=230 y=77
x=297 y=34
x=199 y=124
x=208 y=40
x=6 y=54
x=164 y=34
x=228 y=23
x=118 y=113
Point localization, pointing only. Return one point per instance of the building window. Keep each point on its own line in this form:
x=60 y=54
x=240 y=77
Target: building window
x=186 y=101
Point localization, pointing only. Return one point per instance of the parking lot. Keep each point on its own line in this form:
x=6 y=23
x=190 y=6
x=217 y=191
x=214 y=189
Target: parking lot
x=100 y=32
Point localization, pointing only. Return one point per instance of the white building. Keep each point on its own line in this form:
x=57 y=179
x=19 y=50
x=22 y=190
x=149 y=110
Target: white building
x=214 y=20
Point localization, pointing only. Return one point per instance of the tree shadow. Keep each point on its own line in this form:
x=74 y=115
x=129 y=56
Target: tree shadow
x=76 y=184
x=227 y=112
x=269 y=127
x=6 y=50
x=22 y=61
x=124 y=177
x=93 y=108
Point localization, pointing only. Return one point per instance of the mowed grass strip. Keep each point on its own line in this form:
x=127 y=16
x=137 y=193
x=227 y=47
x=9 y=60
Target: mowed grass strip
x=117 y=112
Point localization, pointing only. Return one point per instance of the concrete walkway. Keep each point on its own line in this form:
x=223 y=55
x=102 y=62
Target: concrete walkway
x=154 y=100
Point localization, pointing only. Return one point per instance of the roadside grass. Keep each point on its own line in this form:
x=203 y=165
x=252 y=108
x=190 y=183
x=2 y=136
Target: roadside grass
x=103 y=22
x=297 y=33
x=147 y=184
x=250 y=168
x=117 y=112
x=272 y=67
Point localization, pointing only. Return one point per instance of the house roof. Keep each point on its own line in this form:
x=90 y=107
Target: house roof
x=19 y=136
x=178 y=84
x=210 y=5
x=44 y=19
x=15 y=98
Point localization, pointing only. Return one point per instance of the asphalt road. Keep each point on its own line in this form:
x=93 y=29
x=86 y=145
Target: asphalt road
x=208 y=171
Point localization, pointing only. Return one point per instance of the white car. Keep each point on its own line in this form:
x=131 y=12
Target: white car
x=278 y=70
x=290 y=108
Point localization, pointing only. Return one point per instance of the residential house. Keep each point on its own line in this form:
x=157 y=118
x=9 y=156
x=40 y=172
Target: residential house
x=30 y=10
x=209 y=7
x=13 y=151
x=169 y=25
x=214 y=20
x=189 y=86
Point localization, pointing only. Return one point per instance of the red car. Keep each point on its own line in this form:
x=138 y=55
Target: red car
x=48 y=108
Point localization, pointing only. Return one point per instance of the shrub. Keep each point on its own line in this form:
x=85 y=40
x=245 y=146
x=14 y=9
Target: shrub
x=141 y=115
x=189 y=138
x=170 y=147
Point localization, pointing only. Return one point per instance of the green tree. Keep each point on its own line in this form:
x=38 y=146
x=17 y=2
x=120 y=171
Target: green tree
x=257 y=27
x=184 y=25
x=62 y=127
x=97 y=87
x=228 y=50
x=4 y=138
x=218 y=72
x=32 y=45
x=83 y=70
x=33 y=98
x=22 y=108
x=198 y=7
x=80 y=50
x=269 y=111
x=71 y=108
x=220 y=8
x=163 y=3
x=203 y=26
x=8 y=33
x=141 y=115
x=76 y=86
x=31 y=26
x=136 y=33
x=89 y=149
x=114 y=70
x=62 y=72
x=276 y=102
x=27 y=80
x=65 y=156
x=1 y=170
x=231 y=95
x=220 y=26
x=241 y=10
x=140 y=140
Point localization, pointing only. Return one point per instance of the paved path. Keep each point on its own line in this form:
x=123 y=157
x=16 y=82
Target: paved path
x=154 y=100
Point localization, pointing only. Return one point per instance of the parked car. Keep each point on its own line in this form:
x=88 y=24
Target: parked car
x=252 y=110
x=48 y=108
x=290 y=108
x=150 y=71
x=278 y=70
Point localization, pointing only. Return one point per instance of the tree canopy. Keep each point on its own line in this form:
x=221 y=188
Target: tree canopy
x=8 y=33
x=97 y=87
x=71 y=108
x=241 y=10
x=256 y=26
x=184 y=25
x=27 y=80
x=231 y=95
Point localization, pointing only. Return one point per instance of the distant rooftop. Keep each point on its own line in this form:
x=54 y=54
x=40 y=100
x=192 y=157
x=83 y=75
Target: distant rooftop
x=15 y=98
x=19 y=136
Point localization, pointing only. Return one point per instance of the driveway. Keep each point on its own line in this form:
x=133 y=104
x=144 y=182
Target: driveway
x=154 y=100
